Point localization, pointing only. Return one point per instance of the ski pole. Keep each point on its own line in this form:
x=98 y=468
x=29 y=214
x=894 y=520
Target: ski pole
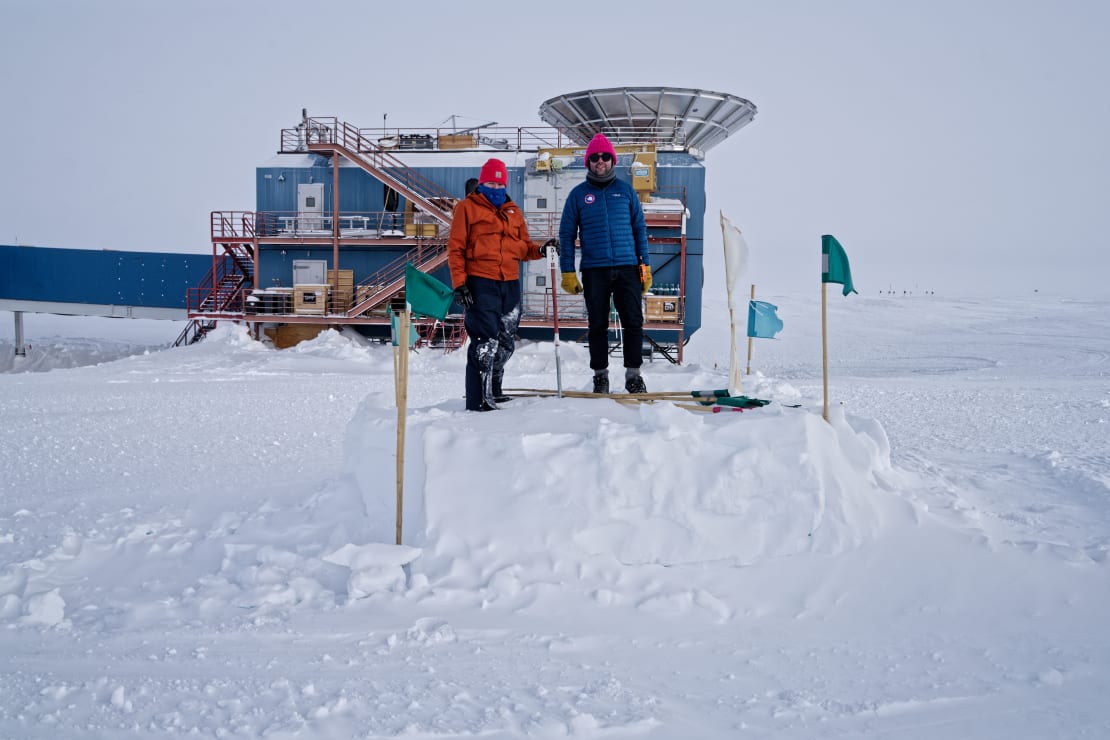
x=555 y=312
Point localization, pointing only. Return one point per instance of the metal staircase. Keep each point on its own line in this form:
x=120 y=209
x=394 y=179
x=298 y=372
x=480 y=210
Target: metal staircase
x=194 y=331
x=389 y=281
x=330 y=136
x=224 y=289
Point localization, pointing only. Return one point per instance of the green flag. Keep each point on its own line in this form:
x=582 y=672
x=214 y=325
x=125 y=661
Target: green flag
x=425 y=294
x=395 y=331
x=834 y=264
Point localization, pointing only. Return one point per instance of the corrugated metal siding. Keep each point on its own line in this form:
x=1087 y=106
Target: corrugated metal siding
x=149 y=279
x=276 y=187
x=680 y=170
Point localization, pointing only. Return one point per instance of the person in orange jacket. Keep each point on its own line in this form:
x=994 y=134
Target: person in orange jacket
x=488 y=240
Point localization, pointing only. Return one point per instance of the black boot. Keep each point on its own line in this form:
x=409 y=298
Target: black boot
x=601 y=382
x=499 y=395
x=634 y=383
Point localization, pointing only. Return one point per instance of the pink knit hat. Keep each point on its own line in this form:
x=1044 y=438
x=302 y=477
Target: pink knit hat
x=600 y=144
x=494 y=171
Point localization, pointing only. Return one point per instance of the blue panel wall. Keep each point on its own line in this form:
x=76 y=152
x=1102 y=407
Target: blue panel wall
x=275 y=266
x=276 y=187
x=150 y=279
x=677 y=173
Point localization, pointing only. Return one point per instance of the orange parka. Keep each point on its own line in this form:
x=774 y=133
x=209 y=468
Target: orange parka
x=488 y=242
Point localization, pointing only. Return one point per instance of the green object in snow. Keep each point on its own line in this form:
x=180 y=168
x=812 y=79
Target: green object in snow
x=426 y=295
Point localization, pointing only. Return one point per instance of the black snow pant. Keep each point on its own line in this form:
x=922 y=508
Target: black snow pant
x=491 y=325
x=622 y=285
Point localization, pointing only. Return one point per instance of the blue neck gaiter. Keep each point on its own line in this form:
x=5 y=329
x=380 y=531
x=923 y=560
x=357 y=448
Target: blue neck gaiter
x=496 y=196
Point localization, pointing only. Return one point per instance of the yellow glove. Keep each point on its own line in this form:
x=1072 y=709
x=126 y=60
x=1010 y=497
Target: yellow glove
x=645 y=278
x=571 y=284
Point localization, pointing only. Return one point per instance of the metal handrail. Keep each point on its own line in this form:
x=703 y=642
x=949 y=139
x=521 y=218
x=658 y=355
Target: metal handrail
x=232 y=225
x=330 y=133
x=214 y=285
x=352 y=224
x=390 y=279
x=194 y=331
x=520 y=138
x=322 y=130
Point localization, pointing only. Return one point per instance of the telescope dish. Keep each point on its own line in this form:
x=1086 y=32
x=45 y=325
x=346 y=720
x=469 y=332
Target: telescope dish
x=672 y=117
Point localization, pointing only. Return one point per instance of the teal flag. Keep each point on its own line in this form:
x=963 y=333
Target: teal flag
x=763 y=322
x=834 y=264
x=425 y=294
x=395 y=330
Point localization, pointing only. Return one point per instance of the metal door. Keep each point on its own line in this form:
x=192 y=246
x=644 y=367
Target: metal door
x=310 y=206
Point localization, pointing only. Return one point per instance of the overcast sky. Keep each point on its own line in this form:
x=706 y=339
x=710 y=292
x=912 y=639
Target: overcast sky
x=959 y=146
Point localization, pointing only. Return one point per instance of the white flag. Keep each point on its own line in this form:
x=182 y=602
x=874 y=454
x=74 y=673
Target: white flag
x=736 y=264
x=736 y=253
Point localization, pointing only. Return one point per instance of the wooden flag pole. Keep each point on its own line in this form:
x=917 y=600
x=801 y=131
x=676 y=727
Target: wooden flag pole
x=732 y=380
x=749 y=370
x=401 y=379
x=824 y=352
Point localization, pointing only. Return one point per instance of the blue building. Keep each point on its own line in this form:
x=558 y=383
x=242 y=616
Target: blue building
x=340 y=210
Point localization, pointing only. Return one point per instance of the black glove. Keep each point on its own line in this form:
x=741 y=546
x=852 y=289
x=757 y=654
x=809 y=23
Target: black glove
x=550 y=244
x=464 y=297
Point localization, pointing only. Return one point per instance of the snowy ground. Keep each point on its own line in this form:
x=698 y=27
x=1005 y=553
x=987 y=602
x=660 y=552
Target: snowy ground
x=198 y=542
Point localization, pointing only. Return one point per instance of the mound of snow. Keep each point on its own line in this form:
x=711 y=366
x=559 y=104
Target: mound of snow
x=654 y=484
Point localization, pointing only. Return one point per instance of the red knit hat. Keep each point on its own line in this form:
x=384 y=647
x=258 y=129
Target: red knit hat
x=600 y=144
x=494 y=171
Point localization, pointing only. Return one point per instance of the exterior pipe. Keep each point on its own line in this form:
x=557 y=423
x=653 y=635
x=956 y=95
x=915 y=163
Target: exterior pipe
x=20 y=348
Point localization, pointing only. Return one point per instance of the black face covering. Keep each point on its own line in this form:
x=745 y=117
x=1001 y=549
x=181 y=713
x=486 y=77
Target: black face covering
x=602 y=179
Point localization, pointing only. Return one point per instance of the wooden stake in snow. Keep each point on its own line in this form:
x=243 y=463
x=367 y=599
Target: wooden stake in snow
x=736 y=264
x=748 y=371
x=834 y=269
x=401 y=386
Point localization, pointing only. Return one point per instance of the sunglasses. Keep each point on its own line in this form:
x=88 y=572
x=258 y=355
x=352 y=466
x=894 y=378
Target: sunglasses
x=600 y=157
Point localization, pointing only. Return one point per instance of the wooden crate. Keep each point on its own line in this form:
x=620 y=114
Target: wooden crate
x=661 y=308
x=342 y=296
x=457 y=141
x=346 y=278
x=342 y=299
x=424 y=230
x=310 y=299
